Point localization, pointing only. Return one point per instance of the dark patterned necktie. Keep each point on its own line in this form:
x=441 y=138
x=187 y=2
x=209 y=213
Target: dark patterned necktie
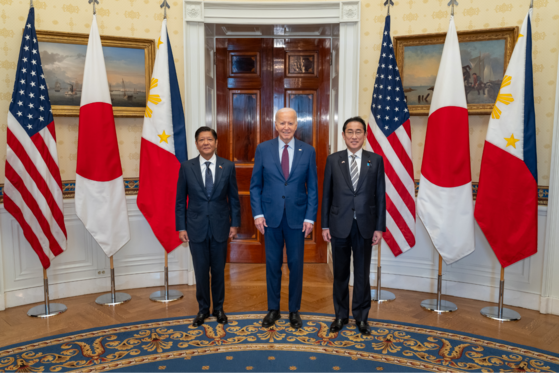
x=209 y=180
x=285 y=162
x=354 y=172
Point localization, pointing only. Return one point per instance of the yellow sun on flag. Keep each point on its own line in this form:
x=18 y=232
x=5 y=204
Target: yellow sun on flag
x=159 y=42
x=504 y=98
x=511 y=141
x=163 y=137
x=154 y=99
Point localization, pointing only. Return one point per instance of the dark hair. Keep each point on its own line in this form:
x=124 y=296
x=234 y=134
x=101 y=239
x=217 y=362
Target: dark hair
x=355 y=119
x=205 y=129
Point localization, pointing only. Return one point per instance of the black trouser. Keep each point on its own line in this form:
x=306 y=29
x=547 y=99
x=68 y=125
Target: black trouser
x=209 y=256
x=341 y=252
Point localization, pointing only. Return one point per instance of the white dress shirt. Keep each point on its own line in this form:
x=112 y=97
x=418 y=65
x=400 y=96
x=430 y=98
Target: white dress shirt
x=290 y=152
x=203 y=161
x=358 y=157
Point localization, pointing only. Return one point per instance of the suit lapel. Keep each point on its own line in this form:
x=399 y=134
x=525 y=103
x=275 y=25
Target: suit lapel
x=364 y=169
x=275 y=154
x=343 y=162
x=218 y=171
x=197 y=171
x=297 y=153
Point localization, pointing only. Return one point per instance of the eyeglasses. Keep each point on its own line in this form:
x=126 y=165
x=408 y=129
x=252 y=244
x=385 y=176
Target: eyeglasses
x=357 y=133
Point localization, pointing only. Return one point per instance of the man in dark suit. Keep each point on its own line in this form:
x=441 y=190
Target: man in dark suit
x=211 y=216
x=353 y=219
x=284 y=202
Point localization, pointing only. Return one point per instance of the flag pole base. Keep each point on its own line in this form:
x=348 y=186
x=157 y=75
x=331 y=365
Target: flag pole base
x=162 y=297
x=53 y=310
x=444 y=306
x=109 y=300
x=385 y=296
x=506 y=314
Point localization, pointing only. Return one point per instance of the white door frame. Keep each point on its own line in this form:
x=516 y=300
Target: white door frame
x=198 y=12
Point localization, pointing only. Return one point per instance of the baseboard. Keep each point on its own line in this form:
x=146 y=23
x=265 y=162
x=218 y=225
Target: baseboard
x=549 y=305
x=72 y=289
x=513 y=298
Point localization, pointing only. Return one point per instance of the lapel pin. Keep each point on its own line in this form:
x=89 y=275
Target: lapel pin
x=368 y=163
x=343 y=161
x=220 y=167
x=300 y=150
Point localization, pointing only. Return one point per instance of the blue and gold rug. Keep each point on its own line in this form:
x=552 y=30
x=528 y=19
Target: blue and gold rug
x=172 y=345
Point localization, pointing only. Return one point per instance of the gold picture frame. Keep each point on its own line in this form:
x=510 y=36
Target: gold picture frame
x=147 y=45
x=508 y=34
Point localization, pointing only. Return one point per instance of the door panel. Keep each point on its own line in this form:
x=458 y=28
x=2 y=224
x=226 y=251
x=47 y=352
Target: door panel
x=255 y=78
x=244 y=126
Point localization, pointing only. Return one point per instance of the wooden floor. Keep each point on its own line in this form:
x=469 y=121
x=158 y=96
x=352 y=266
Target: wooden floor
x=246 y=291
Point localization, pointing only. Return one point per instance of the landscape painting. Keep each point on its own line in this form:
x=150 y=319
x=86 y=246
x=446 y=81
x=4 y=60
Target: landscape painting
x=128 y=72
x=484 y=59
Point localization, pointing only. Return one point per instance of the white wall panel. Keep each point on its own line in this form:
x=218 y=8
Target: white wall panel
x=84 y=268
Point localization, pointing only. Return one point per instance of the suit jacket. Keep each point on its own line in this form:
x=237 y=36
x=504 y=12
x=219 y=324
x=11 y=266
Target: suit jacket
x=270 y=193
x=222 y=209
x=339 y=200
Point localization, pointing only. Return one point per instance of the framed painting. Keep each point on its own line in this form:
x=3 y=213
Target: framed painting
x=129 y=63
x=485 y=55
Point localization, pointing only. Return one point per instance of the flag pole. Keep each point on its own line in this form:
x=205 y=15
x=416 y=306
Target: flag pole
x=30 y=3
x=388 y=3
x=165 y=5
x=531 y=4
x=439 y=305
x=48 y=309
x=385 y=296
x=94 y=2
x=113 y=298
x=500 y=313
x=167 y=295
x=451 y=4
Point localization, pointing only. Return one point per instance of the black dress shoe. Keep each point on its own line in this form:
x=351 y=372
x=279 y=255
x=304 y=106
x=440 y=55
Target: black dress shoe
x=221 y=316
x=271 y=318
x=363 y=327
x=199 y=319
x=295 y=320
x=338 y=325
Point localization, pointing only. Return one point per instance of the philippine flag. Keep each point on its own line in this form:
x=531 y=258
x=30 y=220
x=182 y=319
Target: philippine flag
x=445 y=201
x=163 y=147
x=100 y=198
x=507 y=199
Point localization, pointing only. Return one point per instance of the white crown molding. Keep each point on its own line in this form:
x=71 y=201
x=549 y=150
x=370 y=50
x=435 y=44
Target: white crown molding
x=272 y=12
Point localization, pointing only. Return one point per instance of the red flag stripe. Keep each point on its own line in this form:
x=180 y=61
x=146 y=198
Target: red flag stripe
x=391 y=242
x=33 y=206
x=392 y=157
x=400 y=222
x=401 y=153
x=36 y=158
x=23 y=165
x=391 y=174
x=46 y=144
x=28 y=232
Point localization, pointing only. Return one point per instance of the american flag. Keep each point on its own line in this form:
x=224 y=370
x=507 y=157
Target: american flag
x=389 y=134
x=32 y=186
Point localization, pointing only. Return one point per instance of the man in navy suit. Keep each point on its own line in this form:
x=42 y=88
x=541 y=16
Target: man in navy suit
x=353 y=220
x=284 y=202
x=211 y=216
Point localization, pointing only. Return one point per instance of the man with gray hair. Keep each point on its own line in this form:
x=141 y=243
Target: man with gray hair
x=284 y=202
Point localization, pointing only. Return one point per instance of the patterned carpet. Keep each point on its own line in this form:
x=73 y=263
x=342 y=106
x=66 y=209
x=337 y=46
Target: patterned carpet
x=172 y=345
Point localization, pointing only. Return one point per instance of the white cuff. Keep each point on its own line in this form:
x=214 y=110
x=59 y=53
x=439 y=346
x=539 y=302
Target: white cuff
x=258 y=216
x=309 y=221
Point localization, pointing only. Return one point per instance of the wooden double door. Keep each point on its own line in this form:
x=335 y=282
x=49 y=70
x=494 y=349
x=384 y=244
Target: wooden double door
x=254 y=79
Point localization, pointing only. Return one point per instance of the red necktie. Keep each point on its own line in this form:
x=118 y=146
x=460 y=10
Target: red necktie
x=285 y=162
